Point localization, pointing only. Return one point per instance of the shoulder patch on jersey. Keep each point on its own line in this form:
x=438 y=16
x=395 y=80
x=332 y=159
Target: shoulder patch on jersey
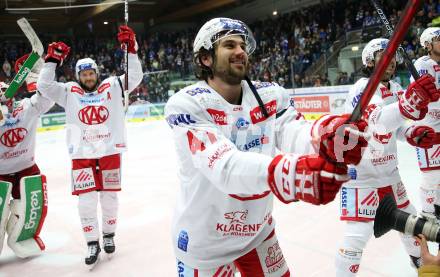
x=76 y=89
x=176 y=119
x=103 y=87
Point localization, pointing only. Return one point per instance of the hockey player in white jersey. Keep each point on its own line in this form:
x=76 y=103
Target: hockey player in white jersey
x=96 y=135
x=377 y=173
x=21 y=217
x=226 y=130
x=429 y=159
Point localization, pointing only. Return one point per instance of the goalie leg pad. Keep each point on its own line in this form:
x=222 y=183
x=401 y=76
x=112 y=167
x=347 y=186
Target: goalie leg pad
x=5 y=195
x=27 y=217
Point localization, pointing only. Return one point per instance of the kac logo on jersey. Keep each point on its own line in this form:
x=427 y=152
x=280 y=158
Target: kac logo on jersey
x=93 y=115
x=242 y=124
x=12 y=137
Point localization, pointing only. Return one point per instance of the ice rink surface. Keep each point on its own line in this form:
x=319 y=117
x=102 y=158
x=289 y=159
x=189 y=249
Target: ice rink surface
x=308 y=234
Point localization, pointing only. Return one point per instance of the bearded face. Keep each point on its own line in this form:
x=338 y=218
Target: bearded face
x=88 y=79
x=231 y=62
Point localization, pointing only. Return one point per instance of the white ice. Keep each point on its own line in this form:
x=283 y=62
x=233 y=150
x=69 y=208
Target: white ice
x=308 y=234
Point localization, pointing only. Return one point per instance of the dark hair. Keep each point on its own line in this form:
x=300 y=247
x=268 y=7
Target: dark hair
x=202 y=71
x=367 y=71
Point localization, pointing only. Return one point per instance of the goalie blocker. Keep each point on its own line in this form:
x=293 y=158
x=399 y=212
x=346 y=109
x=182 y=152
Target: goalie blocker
x=26 y=217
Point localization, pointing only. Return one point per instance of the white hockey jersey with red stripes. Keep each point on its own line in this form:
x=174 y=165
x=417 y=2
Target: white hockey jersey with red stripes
x=224 y=208
x=95 y=122
x=429 y=159
x=378 y=167
x=17 y=135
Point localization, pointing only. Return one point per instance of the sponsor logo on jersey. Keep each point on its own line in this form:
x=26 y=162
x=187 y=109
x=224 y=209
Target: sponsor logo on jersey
x=435 y=114
x=103 y=87
x=218 y=154
x=180 y=269
x=83 y=179
x=219 y=117
x=385 y=92
x=258 y=142
x=196 y=91
x=436 y=153
x=12 y=154
x=274 y=259
x=257 y=114
x=344 y=210
x=237 y=224
x=13 y=137
x=356 y=99
x=176 y=119
x=93 y=135
x=91 y=100
x=182 y=241
x=76 y=89
x=383 y=160
x=312 y=104
x=92 y=115
x=242 y=124
x=368 y=205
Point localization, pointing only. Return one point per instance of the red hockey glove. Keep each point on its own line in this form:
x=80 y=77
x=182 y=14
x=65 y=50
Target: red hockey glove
x=413 y=104
x=57 y=52
x=336 y=142
x=126 y=36
x=308 y=178
x=421 y=136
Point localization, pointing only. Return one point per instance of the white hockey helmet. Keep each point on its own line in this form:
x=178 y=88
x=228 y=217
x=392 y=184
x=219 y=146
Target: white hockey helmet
x=428 y=35
x=84 y=64
x=217 y=28
x=372 y=47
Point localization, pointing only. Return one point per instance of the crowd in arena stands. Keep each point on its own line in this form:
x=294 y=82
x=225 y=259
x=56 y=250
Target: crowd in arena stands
x=286 y=46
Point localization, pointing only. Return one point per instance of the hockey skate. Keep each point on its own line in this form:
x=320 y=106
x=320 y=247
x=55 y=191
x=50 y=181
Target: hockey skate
x=92 y=258
x=109 y=244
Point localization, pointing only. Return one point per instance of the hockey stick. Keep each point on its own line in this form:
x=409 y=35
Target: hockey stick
x=126 y=93
x=409 y=65
x=397 y=37
x=37 y=51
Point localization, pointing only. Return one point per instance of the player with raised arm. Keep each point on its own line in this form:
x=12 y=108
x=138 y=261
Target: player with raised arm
x=429 y=159
x=226 y=130
x=21 y=217
x=377 y=173
x=96 y=135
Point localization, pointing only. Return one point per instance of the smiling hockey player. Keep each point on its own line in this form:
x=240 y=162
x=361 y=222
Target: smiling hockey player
x=226 y=132
x=95 y=135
